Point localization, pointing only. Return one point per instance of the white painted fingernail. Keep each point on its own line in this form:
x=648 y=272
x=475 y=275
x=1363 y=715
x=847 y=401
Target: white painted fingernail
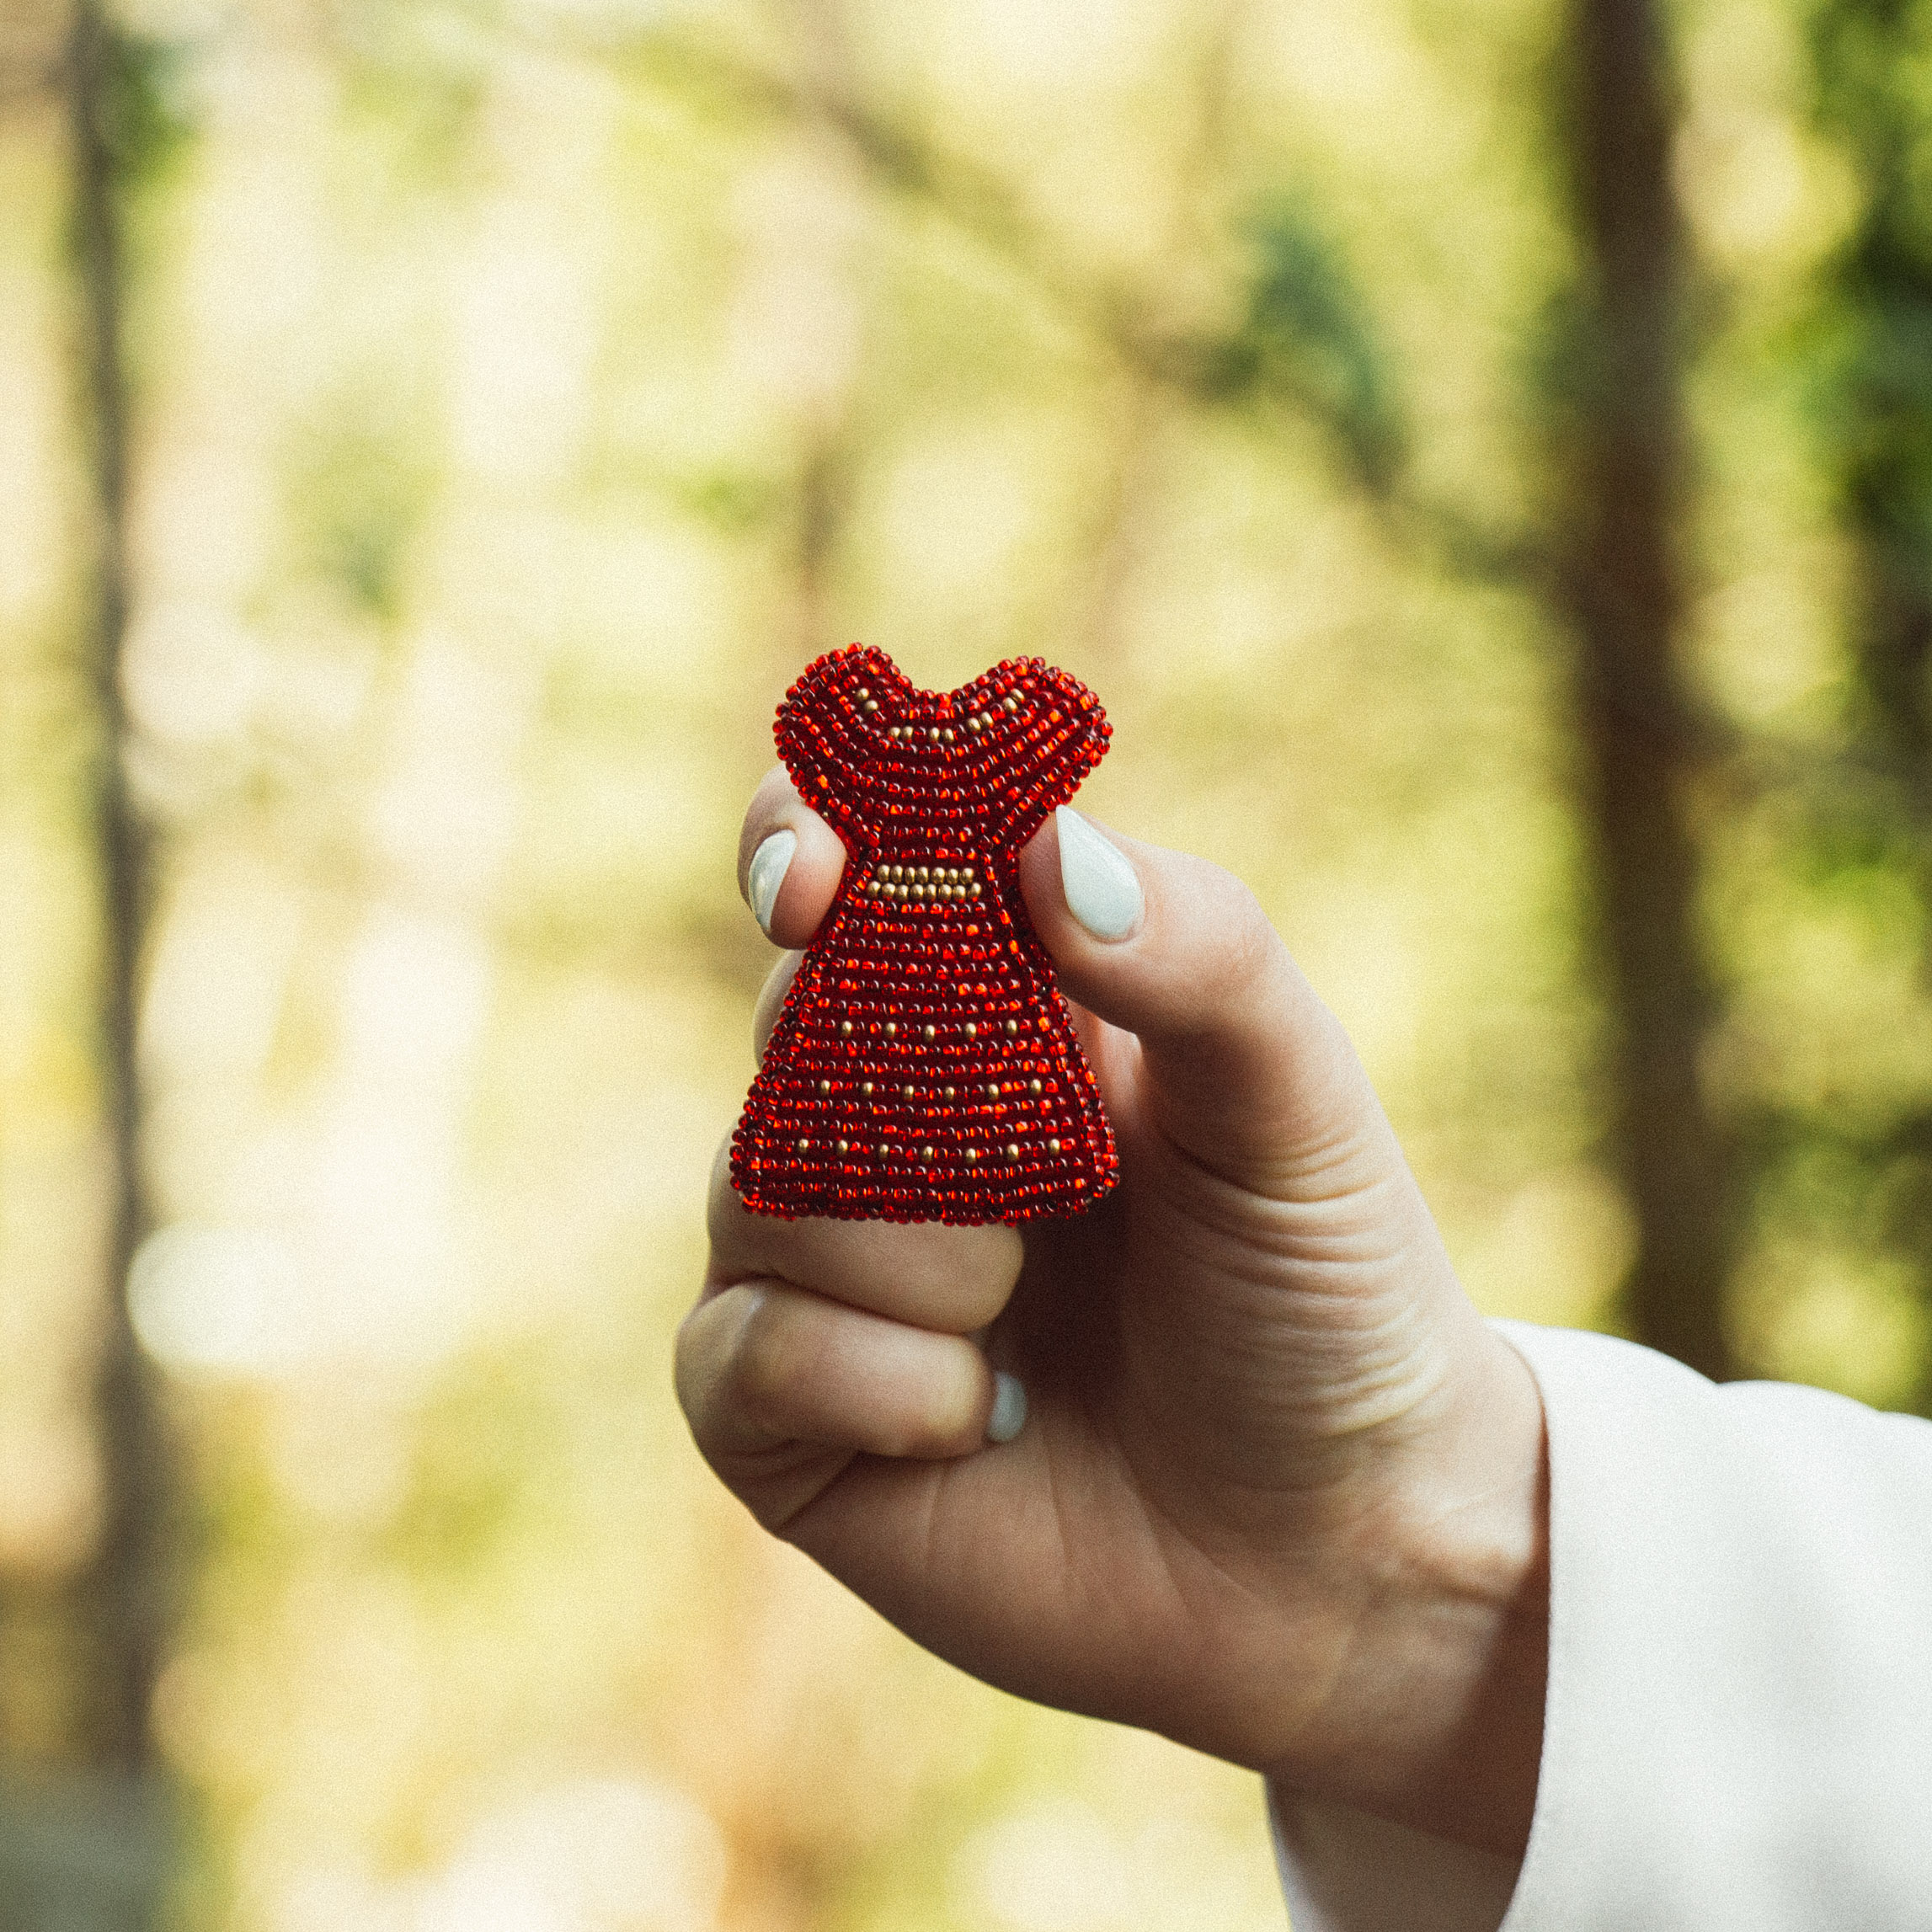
x=1009 y=1415
x=769 y=864
x=1102 y=892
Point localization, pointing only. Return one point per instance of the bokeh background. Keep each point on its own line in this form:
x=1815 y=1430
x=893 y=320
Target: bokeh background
x=1481 y=455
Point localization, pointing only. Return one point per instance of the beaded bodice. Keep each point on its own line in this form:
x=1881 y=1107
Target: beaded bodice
x=925 y=1066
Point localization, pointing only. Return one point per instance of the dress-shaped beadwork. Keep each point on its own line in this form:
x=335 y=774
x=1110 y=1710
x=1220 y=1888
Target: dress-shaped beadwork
x=925 y=1067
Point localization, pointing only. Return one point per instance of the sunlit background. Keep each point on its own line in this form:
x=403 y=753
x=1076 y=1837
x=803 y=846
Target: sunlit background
x=515 y=394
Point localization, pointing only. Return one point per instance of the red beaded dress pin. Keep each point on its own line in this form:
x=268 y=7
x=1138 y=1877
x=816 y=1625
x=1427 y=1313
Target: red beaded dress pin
x=925 y=1066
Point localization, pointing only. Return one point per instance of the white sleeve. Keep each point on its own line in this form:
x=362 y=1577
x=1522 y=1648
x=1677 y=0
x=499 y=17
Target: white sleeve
x=1739 y=1731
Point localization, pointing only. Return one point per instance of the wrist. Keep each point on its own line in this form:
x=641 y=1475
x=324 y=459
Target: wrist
x=1434 y=1719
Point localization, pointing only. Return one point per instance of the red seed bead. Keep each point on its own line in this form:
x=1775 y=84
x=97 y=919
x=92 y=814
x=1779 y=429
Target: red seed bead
x=925 y=983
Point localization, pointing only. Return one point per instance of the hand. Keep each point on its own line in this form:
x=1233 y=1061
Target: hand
x=1279 y=1492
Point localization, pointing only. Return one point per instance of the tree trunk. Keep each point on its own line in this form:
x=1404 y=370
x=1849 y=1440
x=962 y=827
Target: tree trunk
x=117 y=1607
x=1621 y=452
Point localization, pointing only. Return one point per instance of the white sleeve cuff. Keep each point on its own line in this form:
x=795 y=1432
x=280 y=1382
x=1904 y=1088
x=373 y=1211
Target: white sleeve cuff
x=1739 y=1731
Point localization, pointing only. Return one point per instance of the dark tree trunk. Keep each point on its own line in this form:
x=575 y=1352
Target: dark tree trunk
x=117 y=1607
x=1619 y=448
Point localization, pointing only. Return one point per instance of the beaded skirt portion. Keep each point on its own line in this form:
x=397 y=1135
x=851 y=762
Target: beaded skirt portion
x=925 y=1067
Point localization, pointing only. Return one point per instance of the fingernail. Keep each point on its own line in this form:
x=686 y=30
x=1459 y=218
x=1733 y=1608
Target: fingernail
x=1102 y=892
x=769 y=864
x=1009 y=1415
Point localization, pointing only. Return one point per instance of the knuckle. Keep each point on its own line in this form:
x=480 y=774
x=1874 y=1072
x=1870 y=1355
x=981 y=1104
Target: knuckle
x=1239 y=947
x=770 y=1359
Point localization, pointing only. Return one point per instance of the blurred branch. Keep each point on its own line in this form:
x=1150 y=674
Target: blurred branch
x=22 y=81
x=1206 y=368
x=33 y=58
x=121 y=1591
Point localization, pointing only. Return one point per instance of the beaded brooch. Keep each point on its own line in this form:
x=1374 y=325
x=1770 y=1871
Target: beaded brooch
x=925 y=1066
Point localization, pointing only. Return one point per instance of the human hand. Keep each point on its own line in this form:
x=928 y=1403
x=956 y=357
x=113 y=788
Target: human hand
x=1279 y=1492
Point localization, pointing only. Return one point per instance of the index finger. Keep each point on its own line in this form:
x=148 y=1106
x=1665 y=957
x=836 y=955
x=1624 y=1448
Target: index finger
x=789 y=862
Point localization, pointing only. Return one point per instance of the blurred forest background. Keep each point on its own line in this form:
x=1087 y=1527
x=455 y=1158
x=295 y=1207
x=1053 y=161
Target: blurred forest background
x=1481 y=454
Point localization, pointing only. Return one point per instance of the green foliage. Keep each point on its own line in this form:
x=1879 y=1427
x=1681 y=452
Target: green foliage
x=1310 y=338
x=359 y=487
x=147 y=110
x=1872 y=354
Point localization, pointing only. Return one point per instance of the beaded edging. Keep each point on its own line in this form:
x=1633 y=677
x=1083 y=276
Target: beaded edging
x=925 y=1067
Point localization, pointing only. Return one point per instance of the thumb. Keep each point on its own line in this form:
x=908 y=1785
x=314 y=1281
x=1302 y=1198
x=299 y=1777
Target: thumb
x=1245 y=1070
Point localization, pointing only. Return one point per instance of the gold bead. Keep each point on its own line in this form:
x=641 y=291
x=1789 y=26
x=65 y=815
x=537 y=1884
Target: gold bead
x=825 y=1086
x=845 y=1147
x=866 y=1090
x=891 y=1029
x=845 y=1028
x=1012 y=1027
x=1012 y=1150
x=972 y=1031
x=950 y=1093
x=803 y=1146
x=932 y=1033
x=1053 y=1147
x=924 y=1155
x=908 y=1092
x=972 y=1155
x=975 y=724
x=864 y=692
x=993 y=1091
x=1034 y=1086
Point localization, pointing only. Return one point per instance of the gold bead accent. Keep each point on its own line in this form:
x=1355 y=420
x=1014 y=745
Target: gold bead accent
x=892 y=1029
x=803 y=1146
x=1053 y=1147
x=993 y=1091
x=1012 y=1027
x=951 y=1093
x=845 y=1028
x=1034 y=1086
x=1012 y=1150
x=972 y=1156
x=866 y=1090
x=972 y=1031
x=825 y=1086
x=924 y=1155
x=932 y=1033
x=845 y=1147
